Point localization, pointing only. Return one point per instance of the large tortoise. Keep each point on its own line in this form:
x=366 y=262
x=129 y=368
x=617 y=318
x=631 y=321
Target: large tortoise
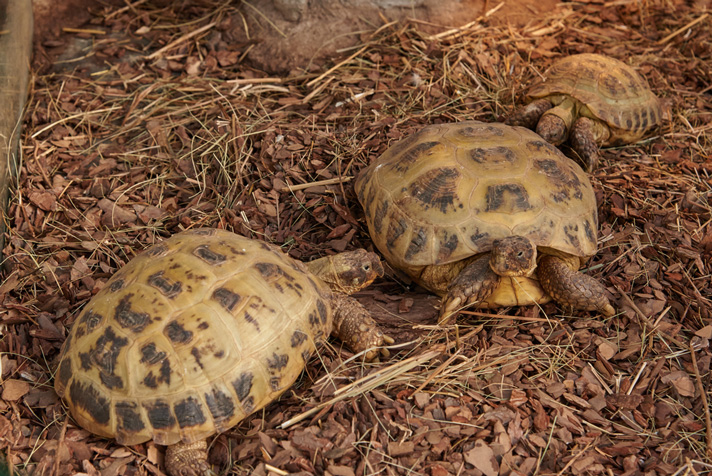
x=592 y=100
x=201 y=330
x=485 y=214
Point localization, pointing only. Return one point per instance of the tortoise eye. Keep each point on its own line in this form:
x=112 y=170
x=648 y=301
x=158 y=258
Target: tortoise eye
x=367 y=267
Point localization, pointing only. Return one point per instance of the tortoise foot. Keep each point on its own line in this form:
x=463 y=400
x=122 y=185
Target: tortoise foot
x=188 y=459
x=355 y=327
x=475 y=283
x=573 y=289
x=529 y=114
x=586 y=134
x=552 y=129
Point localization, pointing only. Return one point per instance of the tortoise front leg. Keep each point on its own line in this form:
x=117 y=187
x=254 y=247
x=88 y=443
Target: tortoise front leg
x=529 y=114
x=355 y=327
x=586 y=134
x=571 y=288
x=475 y=283
x=188 y=459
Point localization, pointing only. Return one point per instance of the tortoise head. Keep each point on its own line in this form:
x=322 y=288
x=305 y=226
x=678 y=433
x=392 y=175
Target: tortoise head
x=513 y=256
x=347 y=272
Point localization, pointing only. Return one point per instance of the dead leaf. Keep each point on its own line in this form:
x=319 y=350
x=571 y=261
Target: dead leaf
x=400 y=448
x=482 y=458
x=43 y=200
x=13 y=390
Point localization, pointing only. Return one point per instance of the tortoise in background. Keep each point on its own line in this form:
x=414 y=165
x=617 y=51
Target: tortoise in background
x=485 y=214
x=201 y=330
x=591 y=100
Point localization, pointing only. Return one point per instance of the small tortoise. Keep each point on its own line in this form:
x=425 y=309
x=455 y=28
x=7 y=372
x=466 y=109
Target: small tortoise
x=593 y=100
x=485 y=214
x=201 y=330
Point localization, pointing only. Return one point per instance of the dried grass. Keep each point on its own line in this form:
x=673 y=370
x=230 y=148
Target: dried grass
x=142 y=140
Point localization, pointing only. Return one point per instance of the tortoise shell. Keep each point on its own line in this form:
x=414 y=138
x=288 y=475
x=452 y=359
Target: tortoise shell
x=191 y=336
x=445 y=193
x=609 y=90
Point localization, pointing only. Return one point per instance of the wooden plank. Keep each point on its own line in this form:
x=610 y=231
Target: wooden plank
x=15 y=51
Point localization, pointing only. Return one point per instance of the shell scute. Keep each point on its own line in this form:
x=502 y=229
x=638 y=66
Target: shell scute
x=607 y=89
x=201 y=330
x=509 y=180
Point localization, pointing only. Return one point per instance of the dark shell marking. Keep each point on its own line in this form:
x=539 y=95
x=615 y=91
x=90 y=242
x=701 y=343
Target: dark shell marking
x=190 y=337
x=469 y=184
x=613 y=92
x=507 y=198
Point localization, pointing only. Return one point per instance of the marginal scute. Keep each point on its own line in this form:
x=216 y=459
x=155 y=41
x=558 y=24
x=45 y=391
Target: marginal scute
x=188 y=412
x=160 y=415
x=64 y=373
x=277 y=362
x=609 y=89
x=190 y=337
x=243 y=385
x=129 y=416
x=220 y=404
x=510 y=182
x=88 y=399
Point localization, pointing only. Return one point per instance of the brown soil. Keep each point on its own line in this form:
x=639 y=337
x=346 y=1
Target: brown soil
x=154 y=118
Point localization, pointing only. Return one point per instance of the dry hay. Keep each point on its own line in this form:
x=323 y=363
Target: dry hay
x=163 y=126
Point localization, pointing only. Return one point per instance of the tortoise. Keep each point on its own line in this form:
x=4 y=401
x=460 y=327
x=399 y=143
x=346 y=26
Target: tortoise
x=484 y=214
x=592 y=100
x=201 y=330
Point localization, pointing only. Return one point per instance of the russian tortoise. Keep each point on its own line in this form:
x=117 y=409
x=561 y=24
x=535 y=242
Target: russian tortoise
x=201 y=330
x=484 y=214
x=592 y=100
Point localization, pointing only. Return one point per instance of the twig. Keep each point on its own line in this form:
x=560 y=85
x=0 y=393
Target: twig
x=505 y=316
x=129 y=6
x=60 y=442
x=680 y=30
x=334 y=68
x=83 y=30
x=435 y=373
x=647 y=321
x=369 y=383
x=255 y=80
x=302 y=186
x=180 y=40
x=73 y=116
x=572 y=460
x=703 y=396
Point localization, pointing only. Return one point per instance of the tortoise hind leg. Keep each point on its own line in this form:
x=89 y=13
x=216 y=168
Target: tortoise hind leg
x=586 y=134
x=529 y=114
x=572 y=289
x=188 y=459
x=475 y=283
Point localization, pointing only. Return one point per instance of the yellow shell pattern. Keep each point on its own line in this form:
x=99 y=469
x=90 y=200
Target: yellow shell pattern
x=445 y=193
x=191 y=336
x=607 y=89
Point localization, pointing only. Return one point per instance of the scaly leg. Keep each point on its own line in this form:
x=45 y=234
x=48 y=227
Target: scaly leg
x=571 y=288
x=475 y=283
x=188 y=459
x=529 y=114
x=356 y=328
x=586 y=134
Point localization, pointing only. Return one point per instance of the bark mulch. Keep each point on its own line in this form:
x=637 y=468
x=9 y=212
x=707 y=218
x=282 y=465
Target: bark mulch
x=154 y=122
